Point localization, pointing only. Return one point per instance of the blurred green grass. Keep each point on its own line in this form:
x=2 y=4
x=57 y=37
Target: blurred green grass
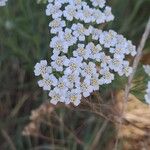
x=24 y=40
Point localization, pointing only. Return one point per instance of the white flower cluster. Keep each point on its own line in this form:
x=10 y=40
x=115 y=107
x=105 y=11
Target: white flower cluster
x=147 y=96
x=147 y=69
x=3 y=2
x=84 y=57
x=79 y=10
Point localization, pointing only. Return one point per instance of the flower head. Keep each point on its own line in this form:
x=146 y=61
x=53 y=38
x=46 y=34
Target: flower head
x=68 y=37
x=42 y=68
x=56 y=96
x=86 y=87
x=57 y=25
x=83 y=56
x=73 y=96
x=88 y=70
x=47 y=82
x=54 y=10
x=147 y=96
x=3 y=2
x=58 y=45
x=107 y=76
x=73 y=65
x=58 y=62
x=147 y=69
x=81 y=51
x=100 y=3
x=70 y=12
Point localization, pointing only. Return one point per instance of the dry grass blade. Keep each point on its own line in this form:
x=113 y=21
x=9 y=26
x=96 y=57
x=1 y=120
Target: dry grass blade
x=99 y=134
x=19 y=105
x=8 y=139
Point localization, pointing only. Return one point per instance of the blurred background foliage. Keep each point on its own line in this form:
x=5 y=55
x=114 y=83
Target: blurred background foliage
x=24 y=40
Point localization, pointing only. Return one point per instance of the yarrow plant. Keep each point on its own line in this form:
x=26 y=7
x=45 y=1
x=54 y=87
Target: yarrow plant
x=84 y=57
x=3 y=2
x=147 y=95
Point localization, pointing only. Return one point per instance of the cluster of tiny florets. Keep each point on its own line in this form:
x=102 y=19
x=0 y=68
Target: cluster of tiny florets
x=147 y=95
x=84 y=57
x=147 y=69
x=3 y=2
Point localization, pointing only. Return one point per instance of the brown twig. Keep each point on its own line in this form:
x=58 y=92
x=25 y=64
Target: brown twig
x=135 y=65
x=137 y=58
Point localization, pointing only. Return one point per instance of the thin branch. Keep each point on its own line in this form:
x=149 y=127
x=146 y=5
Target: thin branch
x=137 y=59
x=130 y=79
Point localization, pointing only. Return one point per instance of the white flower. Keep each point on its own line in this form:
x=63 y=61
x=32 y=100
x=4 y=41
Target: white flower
x=147 y=96
x=116 y=63
x=55 y=55
x=79 y=31
x=121 y=40
x=42 y=68
x=147 y=69
x=73 y=65
x=107 y=76
x=54 y=10
x=108 y=39
x=88 y=69
x=118 y=50
x=75 y=2
x=95 y=82
x=73 y=96
x=61 y=85
x=94 y=51
x=105 y=60
x=83 y=57
x=86 y=87
x=95 y=32
x=108 y=14
x=126 y=69
x=58 y=45
x=47 y=82
x=62 y=1
x=58 y=63
x=86 y=14
x=56 y=96
x=73 y=79
x=98 y=16
x=57 y=25
x=81 y=51
x=130 y=49
x=70 y=12
x=68 y=37
x=3 y=2
x=100 y=3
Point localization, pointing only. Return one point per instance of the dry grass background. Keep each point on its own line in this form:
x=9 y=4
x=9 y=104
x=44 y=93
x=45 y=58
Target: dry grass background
x=24 y=107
